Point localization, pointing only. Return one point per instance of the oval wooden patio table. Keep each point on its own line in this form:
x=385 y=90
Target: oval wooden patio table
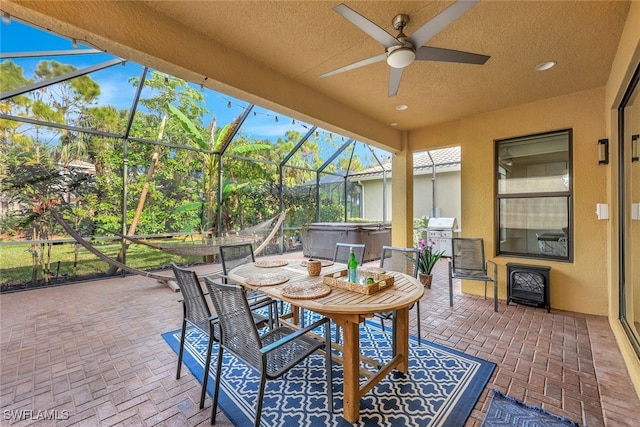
x=348 y=309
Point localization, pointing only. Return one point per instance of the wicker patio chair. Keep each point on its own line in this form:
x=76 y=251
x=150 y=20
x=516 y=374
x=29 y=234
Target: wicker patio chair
x=468 y=263
x=198 y=314
x=232 y=256
x=271 y=354
x=341 y=253
x=403 y=260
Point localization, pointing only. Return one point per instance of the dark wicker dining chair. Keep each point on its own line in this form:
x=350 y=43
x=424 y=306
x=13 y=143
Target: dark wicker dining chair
x=468 y=263
x=232 y=256
x=272 y=354
x=403 y=260
x=196 y=313
x=342 y=251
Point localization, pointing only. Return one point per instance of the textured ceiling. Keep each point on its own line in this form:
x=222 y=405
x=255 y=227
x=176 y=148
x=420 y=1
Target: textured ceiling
x=301 y=40
x=305 y=39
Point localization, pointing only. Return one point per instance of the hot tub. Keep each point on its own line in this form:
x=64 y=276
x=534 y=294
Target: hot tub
x=319 y=238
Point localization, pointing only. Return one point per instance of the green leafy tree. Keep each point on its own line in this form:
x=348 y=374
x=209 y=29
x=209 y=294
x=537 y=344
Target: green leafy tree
x=206 y=209
x=165 y=91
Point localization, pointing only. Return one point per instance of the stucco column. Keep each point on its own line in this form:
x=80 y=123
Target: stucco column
x=402 y=196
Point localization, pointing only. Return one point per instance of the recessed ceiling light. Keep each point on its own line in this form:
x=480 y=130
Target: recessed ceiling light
x=393 y=124
x=545 y=65
x=401 y=107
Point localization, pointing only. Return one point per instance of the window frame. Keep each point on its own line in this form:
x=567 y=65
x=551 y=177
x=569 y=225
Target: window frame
x=568 y=194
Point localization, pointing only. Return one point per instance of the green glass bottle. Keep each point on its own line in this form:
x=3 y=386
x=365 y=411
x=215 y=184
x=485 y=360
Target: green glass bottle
x=352 y=267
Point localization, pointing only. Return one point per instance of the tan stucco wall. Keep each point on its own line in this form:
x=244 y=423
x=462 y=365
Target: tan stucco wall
x=402 y=197
x=579 y=286
x=590 y=283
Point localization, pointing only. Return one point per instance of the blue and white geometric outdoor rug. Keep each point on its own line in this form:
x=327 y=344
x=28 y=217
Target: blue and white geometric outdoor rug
x=441 y=388
x=505 y=411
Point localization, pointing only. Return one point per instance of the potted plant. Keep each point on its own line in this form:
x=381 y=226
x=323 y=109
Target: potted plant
x=427 y=259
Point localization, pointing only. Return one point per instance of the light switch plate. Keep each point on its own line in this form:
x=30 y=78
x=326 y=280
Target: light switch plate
x=602 y=210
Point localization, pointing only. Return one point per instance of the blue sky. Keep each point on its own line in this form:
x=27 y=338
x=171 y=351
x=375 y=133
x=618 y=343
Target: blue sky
x=18 y=37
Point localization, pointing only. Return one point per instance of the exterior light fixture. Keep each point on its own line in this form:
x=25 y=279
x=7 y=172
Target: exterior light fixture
x=545 y=65
x=603 y=151
x=6 y=18
x=277 y=119
x=394 y=124
x=166 y=81
x=74 y=43
x=401 y=57
x=228 y=104
x=635 y=156
x=401 y=107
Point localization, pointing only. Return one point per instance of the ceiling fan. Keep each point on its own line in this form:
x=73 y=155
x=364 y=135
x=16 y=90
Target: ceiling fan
x=402 y=50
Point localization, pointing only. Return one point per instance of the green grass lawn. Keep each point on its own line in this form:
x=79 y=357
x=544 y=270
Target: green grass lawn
x=16 y=261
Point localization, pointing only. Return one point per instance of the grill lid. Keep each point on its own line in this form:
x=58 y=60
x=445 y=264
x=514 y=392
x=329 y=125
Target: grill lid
x=442 y=224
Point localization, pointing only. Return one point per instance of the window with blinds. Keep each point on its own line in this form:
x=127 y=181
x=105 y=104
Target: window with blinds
x=534 y=195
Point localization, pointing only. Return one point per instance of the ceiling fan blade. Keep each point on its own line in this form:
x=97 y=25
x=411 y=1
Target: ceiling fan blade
x=395 y=74
x=426 y=53
x=440 y=21
x=380 y=35
x=372 y=60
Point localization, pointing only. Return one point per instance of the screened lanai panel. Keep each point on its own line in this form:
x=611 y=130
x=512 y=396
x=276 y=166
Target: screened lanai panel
x=250 y=193
x=299 y=197
x=372 y=159
x=45 y=80
x=275 y=133
x=346 y=160
x=86 y=190
x=339 y=201
x=325 y=145
x=332 y=198
x=314 y=150
x=158 y=175
x=181 y=113
x=99 y=101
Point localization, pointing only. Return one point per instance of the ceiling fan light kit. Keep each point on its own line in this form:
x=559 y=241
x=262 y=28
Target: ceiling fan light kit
x=401 y=56
x=401 y=51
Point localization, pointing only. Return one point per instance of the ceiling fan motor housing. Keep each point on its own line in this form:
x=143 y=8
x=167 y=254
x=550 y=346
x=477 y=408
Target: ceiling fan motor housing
x=402 y=55
x=400 y=22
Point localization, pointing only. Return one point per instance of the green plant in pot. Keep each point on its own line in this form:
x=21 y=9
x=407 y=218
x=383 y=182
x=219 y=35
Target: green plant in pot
x=427 y=259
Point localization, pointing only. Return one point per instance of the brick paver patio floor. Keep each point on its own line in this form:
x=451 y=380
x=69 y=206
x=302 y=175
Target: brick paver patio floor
x=93 y=352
